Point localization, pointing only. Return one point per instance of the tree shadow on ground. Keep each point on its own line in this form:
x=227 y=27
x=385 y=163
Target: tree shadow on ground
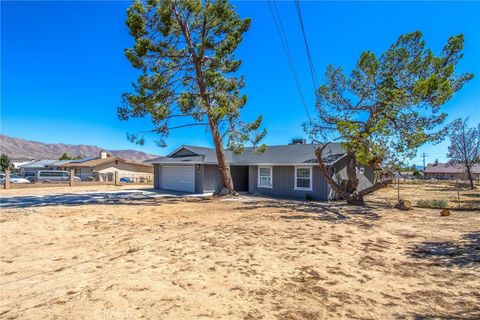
x=463 y=315
x=462 y=253
x=78 y=199
x=318 y=211
x=472 y=195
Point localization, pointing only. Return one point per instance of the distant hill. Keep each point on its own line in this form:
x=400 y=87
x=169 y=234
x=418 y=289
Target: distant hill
x=19 y=148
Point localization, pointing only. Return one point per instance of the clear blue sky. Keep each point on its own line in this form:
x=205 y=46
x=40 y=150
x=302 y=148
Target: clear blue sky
x=63 y=67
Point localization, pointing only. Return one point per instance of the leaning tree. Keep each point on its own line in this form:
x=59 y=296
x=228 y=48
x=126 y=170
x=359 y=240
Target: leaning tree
x=387 y=107
x=189 y=73
x=465 y=147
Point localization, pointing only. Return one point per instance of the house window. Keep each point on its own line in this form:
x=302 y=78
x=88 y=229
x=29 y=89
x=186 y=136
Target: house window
x=265 y=177
x=303 y=178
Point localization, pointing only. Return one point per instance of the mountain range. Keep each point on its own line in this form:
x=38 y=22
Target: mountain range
x=17 y=148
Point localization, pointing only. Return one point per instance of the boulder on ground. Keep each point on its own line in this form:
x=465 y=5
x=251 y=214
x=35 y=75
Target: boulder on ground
x=403 y=205
x=445 y=213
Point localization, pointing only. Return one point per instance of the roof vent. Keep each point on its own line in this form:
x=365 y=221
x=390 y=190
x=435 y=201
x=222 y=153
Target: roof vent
x=298 y=141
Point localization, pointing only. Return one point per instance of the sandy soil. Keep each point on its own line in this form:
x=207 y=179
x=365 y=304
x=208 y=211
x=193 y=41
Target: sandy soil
x=245 y=258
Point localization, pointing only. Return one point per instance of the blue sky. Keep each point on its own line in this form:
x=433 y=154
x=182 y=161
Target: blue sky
x=63 y=67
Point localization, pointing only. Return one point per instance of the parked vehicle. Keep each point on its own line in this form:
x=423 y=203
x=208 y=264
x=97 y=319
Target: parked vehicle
x=30 y=176
x=54 y=176
x=126 y=179
x=13 y=179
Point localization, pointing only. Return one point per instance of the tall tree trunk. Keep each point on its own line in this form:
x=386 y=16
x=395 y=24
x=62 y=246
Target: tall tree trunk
x=333 y=184
x=352 y=172
x=352 y=185
x=223 y=164
x=355 y=197
x=470 y=177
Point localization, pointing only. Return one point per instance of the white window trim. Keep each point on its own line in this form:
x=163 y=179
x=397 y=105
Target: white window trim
x=311 y=178
x=271 y=177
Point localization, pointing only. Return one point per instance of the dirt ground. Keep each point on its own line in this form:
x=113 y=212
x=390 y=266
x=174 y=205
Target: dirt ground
x=239 y=258
x=426 y=190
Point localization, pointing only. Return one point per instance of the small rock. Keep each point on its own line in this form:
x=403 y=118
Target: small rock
x=224 y=192
x=444 y=213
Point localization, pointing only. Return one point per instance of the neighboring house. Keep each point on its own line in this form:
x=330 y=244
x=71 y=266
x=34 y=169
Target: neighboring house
x=19 y=162
x=103 y=168
x=32 y=167
x=450 y=171
x=284 y=171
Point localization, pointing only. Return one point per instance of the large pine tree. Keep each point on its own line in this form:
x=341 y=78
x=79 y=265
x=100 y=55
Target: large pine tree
x=388 y=106
x=189 y=73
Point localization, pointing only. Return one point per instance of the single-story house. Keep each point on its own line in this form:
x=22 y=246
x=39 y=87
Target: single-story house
x=285 y=171
x=45 y=164
x=16 y=163
x=103 y=168
x=450 y=171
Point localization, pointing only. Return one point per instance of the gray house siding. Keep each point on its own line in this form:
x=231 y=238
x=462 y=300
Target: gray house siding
x=156 y=176
x=366 y=179
x=283 y=178
x=212 y=180
x=199 y=178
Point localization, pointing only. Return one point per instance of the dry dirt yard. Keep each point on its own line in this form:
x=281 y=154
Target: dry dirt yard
x=427 y=190
x=240 y=258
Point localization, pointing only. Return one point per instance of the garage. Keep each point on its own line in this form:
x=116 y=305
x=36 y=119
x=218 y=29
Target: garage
x=178 y=178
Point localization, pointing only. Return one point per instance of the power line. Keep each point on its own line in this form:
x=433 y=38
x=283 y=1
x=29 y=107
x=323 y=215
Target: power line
x=286 y=49
x=313 y=73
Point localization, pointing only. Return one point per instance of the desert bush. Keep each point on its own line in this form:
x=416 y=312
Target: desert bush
x=434 y=204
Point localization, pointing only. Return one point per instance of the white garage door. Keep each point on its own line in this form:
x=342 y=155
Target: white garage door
x=178 y=178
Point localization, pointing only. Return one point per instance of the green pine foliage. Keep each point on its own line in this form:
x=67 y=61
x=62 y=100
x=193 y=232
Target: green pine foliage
x=189 y=76
x=390 y=104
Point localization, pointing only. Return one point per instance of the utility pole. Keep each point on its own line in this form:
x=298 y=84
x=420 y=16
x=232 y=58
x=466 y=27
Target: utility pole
x=424 y=155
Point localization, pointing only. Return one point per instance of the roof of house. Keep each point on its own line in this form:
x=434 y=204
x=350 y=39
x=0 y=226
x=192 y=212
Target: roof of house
x=38 y=164
x=274 y=155
x=93 y=162
x=450 y=168
x=59 y=162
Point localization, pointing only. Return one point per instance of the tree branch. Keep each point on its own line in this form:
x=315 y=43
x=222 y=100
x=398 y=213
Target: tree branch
x=318 y=152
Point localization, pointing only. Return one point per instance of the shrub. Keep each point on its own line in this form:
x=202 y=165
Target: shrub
x=439 y=204
x=423 y=203
x=434 y=204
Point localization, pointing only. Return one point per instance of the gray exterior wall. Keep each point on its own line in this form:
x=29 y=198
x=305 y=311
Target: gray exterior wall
x=284 y=184
x=211 y=178
x=199 y=177
x=207 y=179
x=365 y=179
x=156 y=176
